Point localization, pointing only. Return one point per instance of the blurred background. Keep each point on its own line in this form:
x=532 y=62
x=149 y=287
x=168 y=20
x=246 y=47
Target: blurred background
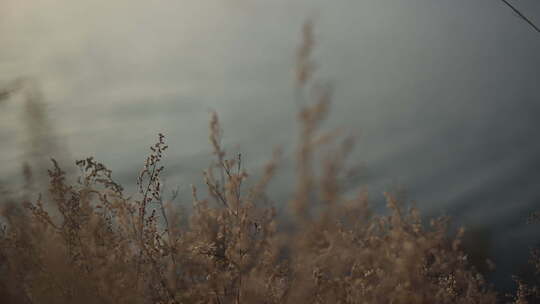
x=443 y=96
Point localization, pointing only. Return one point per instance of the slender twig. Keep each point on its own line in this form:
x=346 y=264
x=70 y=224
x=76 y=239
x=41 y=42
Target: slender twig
x=168 y=230
x=12 y=88
x=521 y=15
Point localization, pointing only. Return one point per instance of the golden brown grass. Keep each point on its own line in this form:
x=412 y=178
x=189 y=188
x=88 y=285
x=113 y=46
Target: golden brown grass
x=85 y=241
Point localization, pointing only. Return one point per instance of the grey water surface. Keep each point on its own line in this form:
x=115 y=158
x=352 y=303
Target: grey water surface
x=443 y=95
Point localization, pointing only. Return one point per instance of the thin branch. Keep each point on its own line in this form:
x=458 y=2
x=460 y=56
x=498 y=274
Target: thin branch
x=521 y=15
x=12 y=88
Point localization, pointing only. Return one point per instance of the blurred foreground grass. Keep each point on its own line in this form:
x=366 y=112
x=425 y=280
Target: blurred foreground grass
x=84 y=241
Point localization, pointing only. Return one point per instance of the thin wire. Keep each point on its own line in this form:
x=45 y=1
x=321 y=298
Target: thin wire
x=521 y=15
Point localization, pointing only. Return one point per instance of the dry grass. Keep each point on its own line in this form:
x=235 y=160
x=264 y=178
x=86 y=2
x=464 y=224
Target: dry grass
x=85 y=241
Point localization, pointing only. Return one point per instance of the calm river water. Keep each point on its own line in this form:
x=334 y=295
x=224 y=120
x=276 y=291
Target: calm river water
x=443 y=95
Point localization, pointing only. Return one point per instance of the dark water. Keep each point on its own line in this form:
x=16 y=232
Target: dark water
x=444 y=95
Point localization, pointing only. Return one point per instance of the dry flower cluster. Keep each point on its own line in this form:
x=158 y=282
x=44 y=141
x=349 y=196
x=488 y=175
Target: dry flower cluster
x=87 y=242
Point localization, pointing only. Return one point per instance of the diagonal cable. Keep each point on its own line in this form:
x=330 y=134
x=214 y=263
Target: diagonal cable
x=521 y=15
